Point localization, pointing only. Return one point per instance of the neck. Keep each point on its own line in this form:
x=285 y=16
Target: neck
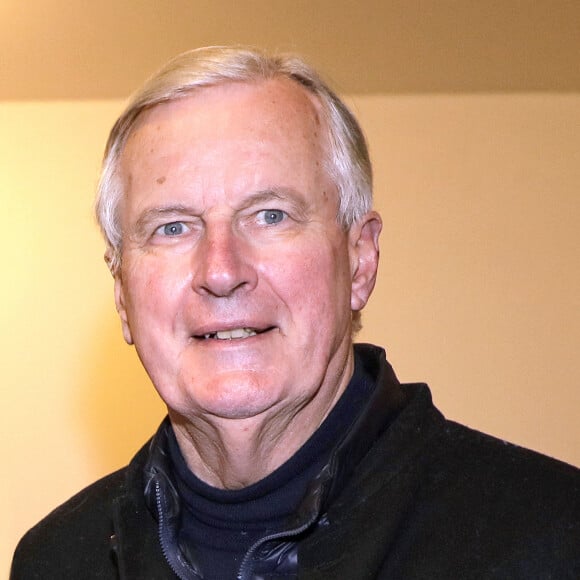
x=235 y=453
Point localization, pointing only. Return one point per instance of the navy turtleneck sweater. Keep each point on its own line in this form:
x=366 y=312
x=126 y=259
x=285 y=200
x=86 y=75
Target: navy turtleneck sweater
x=219 y=526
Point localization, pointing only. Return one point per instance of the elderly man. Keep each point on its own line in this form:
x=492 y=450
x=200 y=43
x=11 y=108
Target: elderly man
x=236 y=203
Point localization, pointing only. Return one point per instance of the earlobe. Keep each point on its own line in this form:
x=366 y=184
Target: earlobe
x=364 y=257
x=120 y=303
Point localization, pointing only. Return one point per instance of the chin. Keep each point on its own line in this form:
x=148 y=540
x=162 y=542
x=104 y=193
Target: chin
x=234 y=395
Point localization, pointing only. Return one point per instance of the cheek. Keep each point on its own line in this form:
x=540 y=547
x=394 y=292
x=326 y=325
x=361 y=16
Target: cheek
x=154 y=291
x=314 y=281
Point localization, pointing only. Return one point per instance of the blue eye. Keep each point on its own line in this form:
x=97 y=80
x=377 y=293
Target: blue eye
x=273 y=216
x=172 y=229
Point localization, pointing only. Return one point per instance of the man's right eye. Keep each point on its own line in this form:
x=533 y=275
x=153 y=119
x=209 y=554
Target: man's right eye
x=172 y=229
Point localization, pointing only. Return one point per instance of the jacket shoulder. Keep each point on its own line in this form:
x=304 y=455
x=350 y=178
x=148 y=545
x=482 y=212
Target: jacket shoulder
x=466 y=459
x=79 y=529
x=516 y=512
x=514 y=468
x=436 y=499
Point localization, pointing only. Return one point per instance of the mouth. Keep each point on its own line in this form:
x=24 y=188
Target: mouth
x=233 y=334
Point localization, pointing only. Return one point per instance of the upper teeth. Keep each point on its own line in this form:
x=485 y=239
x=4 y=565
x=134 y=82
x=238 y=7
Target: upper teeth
x=229 y=334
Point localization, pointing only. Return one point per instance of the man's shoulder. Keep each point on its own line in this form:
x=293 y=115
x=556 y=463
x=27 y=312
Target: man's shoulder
x=477 y=475
x=90 y=502
x=491 y=459
x=444 y=499
x=504 y=501
x=460 y=459
x=79 y=529
x=466 y=454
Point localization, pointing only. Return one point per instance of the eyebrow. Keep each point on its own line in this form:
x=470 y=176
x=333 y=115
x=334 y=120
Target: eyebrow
x=272 y=194
x=156 y=212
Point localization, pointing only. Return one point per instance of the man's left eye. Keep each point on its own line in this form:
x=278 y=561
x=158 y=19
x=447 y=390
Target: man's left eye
x=172 y=229
x=272 y=216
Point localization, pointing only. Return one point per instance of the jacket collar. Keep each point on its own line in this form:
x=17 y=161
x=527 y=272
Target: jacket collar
x=386 y=399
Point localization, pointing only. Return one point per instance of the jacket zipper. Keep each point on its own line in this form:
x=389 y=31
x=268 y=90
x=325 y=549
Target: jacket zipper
x=174 y=563
x=246 y=568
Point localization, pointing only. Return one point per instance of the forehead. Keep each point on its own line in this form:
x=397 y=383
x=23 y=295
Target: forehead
x=224 y=143
x=265 y=109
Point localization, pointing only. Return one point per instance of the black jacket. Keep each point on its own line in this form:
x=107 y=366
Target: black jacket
x=405 y=495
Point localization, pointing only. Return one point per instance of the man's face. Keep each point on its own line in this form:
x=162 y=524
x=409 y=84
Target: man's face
x=236 y=282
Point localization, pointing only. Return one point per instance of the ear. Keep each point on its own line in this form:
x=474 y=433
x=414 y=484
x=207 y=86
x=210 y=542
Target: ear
x=364 y=258
x=110 y=260
x=120 y=303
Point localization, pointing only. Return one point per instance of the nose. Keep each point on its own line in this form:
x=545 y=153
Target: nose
x=223 y=263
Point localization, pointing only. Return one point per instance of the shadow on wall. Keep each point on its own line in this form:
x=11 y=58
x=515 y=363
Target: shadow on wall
x=118 y=407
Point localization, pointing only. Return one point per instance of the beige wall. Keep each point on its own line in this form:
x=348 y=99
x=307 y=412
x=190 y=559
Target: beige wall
x=479 y=288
